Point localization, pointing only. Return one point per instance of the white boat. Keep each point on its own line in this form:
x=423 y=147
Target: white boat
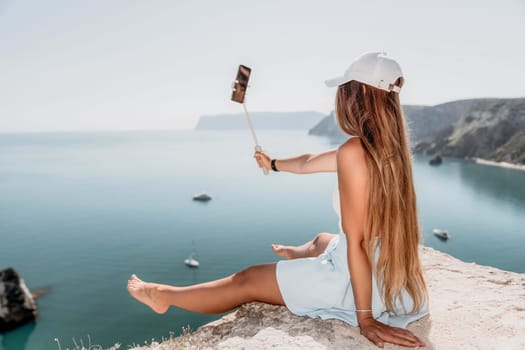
x=192 y=261
x=201 y=197
x=443 y=234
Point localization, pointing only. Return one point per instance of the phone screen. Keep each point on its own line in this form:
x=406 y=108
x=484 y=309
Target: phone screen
x=241 y=83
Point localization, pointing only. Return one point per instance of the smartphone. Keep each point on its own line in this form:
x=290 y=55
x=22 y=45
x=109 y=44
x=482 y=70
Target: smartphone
x=241 y=84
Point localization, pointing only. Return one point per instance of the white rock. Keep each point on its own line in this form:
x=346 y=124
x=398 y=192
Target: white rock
x=471 y=307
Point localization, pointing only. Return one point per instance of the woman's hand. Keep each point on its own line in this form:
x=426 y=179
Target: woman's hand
x=263 y=159
x=379 y=333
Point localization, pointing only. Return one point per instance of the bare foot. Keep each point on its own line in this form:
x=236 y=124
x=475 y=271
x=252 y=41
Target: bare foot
x=284 y=251
x=146 y=293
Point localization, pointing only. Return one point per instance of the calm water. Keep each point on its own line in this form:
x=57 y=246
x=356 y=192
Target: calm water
x=80 y=212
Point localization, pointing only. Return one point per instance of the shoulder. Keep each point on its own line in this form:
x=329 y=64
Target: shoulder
x=351 y=151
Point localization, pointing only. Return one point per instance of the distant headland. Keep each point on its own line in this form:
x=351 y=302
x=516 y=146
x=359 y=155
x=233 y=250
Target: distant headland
x=490 y=129
x=261 y=120
x=486 y=130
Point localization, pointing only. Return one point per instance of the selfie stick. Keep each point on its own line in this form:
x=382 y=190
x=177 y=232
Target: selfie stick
x=258 y=147
x=239 y=87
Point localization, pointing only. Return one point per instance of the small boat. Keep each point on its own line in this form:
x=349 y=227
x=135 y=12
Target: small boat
x=192 y=261
x=443 y=234
x=201 y=197
x=436 y=160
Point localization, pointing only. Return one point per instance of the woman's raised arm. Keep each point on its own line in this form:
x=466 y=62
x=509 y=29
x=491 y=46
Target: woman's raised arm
x=302 y=164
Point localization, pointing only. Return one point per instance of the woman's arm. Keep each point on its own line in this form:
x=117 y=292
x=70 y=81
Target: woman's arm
x=353 y=194
x=302 y=164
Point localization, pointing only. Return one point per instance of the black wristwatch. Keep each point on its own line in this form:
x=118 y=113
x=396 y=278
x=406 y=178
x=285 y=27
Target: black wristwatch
x=273 y=165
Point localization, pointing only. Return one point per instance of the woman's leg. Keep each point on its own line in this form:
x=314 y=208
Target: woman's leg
x=310 y=249
x=255 y=283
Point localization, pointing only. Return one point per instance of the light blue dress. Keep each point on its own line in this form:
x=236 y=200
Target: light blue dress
x=320 y=286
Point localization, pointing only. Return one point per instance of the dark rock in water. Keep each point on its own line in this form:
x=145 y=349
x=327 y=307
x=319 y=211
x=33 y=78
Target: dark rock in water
x=17 y=305
x=436 y=160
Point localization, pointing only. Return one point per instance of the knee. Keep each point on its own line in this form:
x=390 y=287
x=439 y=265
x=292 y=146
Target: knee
x=245 y=279
x=321 y=237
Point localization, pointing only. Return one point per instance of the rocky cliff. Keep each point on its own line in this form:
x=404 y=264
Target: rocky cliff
x=471 y=307
x=492 y=129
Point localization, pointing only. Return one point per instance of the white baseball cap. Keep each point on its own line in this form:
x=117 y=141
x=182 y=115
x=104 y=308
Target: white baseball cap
x=374 y=69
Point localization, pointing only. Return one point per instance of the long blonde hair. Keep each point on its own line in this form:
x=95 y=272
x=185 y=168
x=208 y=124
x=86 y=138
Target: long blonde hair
x=376 y=117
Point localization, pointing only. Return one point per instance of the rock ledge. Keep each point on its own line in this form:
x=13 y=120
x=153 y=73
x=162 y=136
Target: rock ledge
x=471 y=307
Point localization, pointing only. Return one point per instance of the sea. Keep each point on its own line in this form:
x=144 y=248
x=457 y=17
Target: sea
x=82 y=211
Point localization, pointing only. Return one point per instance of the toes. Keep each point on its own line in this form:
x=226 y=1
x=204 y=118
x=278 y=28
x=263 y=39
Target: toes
x=134 y=278
x=134 y=283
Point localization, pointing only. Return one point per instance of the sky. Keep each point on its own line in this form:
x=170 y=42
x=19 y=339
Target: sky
x=125 y=64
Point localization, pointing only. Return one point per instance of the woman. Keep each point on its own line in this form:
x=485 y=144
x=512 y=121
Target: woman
x=369 y=274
